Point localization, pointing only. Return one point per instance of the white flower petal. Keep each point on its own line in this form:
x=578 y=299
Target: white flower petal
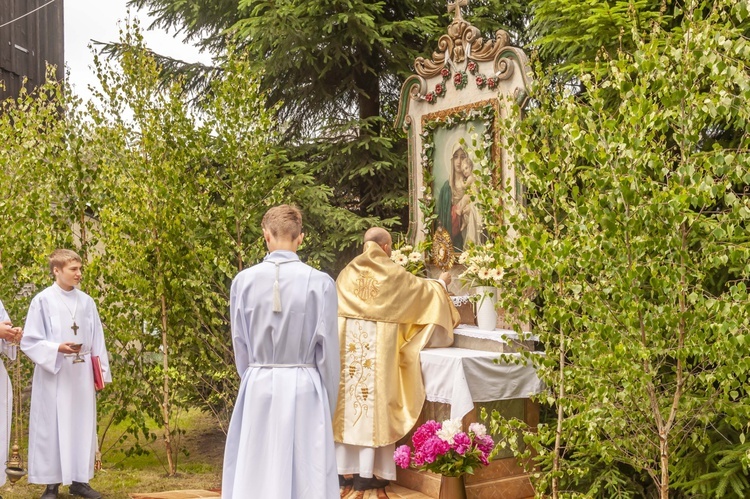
x=478 y=429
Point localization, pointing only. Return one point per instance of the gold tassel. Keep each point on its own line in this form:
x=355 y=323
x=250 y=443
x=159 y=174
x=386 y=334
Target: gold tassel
x=276 y=293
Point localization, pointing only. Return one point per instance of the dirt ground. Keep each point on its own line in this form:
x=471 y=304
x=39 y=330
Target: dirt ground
x=199 y=467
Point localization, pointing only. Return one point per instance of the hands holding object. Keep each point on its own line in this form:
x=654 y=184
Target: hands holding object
x=10 y=333
x=445 y=277
x=69 y=347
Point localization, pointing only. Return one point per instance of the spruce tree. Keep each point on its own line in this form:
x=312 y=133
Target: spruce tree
x=335 y=68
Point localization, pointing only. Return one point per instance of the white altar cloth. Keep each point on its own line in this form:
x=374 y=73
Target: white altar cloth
x=460 y=377
x=499 y=335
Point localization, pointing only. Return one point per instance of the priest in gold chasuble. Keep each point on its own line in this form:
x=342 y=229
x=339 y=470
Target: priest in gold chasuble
x=386 y=316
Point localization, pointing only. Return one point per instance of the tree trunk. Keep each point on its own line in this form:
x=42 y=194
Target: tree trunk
x=165 y=389
x=664 y=451
x=165 y=406
x=84 y=246
x=666 y=428
x=368 y=85
x=238 y=242
x=369 y=101
x=560 y=414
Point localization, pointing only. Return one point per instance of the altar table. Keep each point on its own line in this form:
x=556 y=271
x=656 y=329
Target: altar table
x=460 y=377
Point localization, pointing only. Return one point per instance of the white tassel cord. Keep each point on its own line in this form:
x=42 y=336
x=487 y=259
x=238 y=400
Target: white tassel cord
x=276 y=293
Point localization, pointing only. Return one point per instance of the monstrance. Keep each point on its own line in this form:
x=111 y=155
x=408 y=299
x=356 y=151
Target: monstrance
x=14 y=467
x=442 y=249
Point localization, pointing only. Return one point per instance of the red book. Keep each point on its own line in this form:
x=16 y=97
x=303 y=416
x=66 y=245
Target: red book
x=96 y=364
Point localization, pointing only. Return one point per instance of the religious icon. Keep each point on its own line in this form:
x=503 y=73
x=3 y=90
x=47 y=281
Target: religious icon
x=453 y=173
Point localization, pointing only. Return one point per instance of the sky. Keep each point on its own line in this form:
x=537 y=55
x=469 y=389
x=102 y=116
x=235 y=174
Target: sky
x=87 y=20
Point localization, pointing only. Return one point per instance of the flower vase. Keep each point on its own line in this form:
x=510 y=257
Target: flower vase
x=452 y=487
x=486 y=312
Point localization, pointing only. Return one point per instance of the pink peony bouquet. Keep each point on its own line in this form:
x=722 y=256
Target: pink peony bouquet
x=446 y=449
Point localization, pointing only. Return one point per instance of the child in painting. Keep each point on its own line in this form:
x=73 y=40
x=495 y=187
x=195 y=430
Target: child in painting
x=471 y=225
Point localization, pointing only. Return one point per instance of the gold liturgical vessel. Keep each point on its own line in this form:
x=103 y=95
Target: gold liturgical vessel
x=14 y=468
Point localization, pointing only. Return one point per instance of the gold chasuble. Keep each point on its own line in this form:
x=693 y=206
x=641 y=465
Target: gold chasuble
x=386 y=316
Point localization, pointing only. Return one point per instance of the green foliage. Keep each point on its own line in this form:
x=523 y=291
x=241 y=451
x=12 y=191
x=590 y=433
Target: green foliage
x=35 y=213
x=571 y=37
x=181 y=216
x=631 y=210
x=33 y=171
x=335 y=69
x=164 y=201
x=716 y=465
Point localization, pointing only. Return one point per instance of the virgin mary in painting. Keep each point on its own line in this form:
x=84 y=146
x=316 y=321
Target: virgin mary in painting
x=456 y=213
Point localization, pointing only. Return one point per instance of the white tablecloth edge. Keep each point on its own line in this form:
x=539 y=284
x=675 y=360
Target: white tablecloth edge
x=499 y=335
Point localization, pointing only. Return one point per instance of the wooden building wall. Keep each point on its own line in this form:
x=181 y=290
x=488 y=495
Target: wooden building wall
x=29 y=43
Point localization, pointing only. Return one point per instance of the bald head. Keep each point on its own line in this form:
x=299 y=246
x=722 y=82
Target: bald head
x=381 y=237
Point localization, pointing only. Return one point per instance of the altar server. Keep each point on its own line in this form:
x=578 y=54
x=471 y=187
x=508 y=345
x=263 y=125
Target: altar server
x=283 y=320
x=8 y=336
x=62 y=333
x=386 y=316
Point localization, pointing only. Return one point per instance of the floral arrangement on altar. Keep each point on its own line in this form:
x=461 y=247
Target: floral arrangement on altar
x=482 y=268
x=444 y=448
x=410 y=258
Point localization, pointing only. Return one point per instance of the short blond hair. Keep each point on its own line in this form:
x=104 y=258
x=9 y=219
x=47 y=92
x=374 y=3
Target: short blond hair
x=59 y=258
x=283 y=220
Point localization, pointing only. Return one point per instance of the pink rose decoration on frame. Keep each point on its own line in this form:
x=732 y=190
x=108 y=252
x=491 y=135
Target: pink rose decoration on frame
x=460 y=79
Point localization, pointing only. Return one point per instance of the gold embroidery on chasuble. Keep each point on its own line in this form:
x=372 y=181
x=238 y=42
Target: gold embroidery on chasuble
x=359 y=381
x=386 y=316
x=366 y=286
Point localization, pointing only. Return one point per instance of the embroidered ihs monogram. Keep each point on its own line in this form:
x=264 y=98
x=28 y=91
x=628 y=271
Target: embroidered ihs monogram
x=367 y=286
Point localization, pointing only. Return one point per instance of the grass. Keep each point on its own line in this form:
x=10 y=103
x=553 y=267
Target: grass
x=198 y=468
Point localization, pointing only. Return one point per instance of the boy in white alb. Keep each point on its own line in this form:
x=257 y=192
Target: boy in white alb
x=62 y=333
x=286 y=348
